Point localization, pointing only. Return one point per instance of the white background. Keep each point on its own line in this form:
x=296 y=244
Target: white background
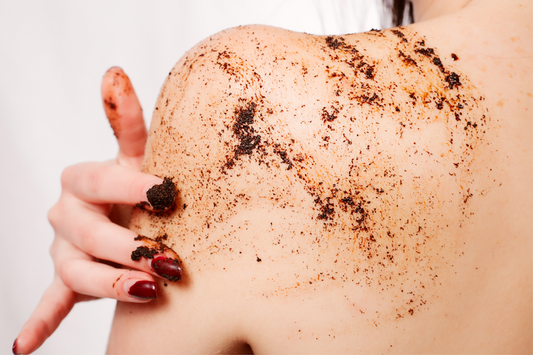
x=53 y=55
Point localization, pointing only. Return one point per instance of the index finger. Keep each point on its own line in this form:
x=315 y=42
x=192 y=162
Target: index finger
x=124 y=113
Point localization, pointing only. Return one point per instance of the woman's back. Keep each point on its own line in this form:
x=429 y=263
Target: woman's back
x=364 y=193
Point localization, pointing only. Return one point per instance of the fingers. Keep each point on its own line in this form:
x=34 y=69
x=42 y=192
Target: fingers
x=103 y=281
x=85 y=276
x=101 y=183
x=94 y=235
x=88 y=278
x=80 y=215
x=124 y=113
x=54 y=306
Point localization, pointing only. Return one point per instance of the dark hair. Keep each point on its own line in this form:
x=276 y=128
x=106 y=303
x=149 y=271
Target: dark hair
x=401 y=11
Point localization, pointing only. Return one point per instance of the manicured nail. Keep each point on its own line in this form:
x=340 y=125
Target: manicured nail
x=144 y=290
x=15 y=347
x=168 y=268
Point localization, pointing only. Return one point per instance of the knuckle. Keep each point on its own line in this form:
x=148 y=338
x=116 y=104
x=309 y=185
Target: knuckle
x=85 y=178
x=54 y=215
x=53 y=250
x=66 y=176
x=88 y=239
x=59 y=257
x=94 y=180
x=64 y=271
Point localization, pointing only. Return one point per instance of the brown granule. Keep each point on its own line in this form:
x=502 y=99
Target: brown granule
x=143 y=252
x=335 y=43
x=147 y=252
x=453 y=80
x=162 y=196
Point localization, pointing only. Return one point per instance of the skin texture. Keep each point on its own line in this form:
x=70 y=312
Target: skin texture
x=366 y=193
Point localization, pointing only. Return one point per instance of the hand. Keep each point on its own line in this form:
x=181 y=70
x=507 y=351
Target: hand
x=85 y=232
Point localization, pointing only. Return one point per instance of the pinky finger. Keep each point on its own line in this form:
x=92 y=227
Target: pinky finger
x=85 y=276
x=94 y=279
x=54 y=306
x=58 y=300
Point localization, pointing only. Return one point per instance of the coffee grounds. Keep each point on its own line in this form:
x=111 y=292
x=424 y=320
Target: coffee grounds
x=162 y=196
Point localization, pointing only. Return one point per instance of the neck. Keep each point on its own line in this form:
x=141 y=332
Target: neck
x=429 y=9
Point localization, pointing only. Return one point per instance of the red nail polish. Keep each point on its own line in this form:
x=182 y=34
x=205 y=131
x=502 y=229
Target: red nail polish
x=168 y=268
x=145 y=290
x=15 y=347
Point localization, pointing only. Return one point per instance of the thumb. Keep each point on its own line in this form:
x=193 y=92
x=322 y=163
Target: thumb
x=124 y=113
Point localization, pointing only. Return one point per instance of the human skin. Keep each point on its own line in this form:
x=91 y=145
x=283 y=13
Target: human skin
x=347 y=194
x=85 y=234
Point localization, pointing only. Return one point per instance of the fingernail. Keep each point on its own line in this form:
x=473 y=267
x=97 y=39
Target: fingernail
x=144 y=290
x=15 y=347
x=168 y=268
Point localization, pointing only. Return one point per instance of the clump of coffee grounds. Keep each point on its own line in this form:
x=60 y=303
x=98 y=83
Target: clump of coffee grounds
x=245 y=133
x=162 y=196
x=146 y=252
x=335 y=42
x=143 y=252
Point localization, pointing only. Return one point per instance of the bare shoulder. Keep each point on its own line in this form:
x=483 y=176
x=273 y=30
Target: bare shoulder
x=374 y=134
x=338 y=178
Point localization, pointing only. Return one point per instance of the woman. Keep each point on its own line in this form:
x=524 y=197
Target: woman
x=364 y=193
